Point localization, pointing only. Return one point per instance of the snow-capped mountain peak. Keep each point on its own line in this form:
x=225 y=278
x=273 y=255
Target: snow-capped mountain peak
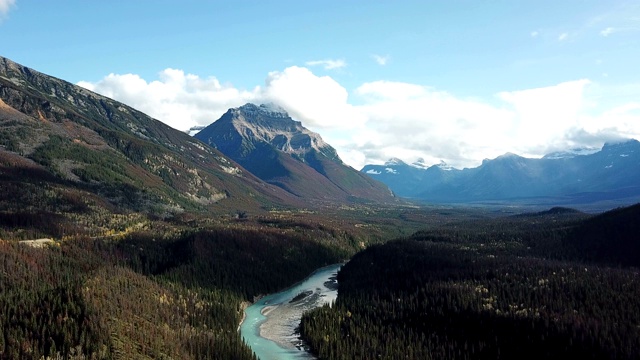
x=394 y=162
x=420 y=164
x=444 y=166
x=571 y=153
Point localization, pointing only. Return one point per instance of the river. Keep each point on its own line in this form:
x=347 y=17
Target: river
x=269 y=327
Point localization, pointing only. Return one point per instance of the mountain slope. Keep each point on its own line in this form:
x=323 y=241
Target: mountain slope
x=613 y=173
x=63 y=147
x=610 y=238
x=271 y=145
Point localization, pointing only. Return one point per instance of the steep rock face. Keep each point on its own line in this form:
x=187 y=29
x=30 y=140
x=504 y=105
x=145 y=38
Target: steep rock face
x=80 y=141
x=267 y=142
x=583 y=175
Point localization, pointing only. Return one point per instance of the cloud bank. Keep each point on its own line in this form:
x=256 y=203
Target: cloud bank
x=384 y=119
x=180 y=100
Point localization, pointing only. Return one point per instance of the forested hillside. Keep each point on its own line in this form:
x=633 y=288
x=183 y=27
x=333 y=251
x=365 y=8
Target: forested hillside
x=175 y=294
x=510 y=288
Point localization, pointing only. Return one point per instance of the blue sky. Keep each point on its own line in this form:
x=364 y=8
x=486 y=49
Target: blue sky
x=457 y=81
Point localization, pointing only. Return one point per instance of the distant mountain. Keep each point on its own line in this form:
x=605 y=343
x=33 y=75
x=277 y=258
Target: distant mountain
x=401 y=177
x=266 y=141
x=63 y=147
x=578 y=176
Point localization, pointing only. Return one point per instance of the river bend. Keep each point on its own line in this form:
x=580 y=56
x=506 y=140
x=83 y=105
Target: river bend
x=270 y=324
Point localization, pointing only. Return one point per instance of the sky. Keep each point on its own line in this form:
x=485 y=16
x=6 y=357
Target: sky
x=453 y=81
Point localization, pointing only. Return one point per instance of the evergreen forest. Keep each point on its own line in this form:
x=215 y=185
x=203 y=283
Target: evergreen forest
x=454 y=284
x=150 y=294
x=549 y=285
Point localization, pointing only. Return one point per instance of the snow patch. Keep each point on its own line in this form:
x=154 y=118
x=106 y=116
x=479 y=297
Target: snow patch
x=373 y=172
x=571 y=153
x=444 y=166
x=394 y=162
x=419 y=164
x=390 y=171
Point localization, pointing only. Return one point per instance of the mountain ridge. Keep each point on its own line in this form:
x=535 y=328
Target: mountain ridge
x=583 y=175
x=60 y=140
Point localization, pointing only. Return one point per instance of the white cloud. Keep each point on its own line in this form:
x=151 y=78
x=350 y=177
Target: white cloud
x=411 y=121
x=396 y=119
x=563 y=36
x=180 y=100
x=380 y=60
x=185 y=100
x=328 y=64
x=608 y=31
x=5 y=6
x=318 y=101
x=534 y=34
x=543 y=115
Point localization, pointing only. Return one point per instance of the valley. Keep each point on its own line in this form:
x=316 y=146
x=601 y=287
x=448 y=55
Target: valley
x=123 y=238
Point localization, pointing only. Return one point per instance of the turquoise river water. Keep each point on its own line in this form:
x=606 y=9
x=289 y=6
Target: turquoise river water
x=270 y=324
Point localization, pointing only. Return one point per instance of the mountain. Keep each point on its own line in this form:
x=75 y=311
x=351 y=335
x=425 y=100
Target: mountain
x=407 y=180
x=401 y=177
x=67 y=151
x=577 y=176
x=266 y=141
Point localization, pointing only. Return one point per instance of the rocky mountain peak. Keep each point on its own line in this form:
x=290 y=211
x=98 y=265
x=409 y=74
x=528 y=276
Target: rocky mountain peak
x=270 y=123
x=267 y=142
x=621 y=146
x=269 y=110
x=419 y=163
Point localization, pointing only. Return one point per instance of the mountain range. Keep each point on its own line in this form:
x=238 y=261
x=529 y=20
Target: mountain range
x=580 y=176
x=266 y=141
x=63 y=147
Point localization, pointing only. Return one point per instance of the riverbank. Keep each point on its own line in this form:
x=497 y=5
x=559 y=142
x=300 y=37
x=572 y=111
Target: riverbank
x=270 y=326
x=243 y=306
x=277 y=327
